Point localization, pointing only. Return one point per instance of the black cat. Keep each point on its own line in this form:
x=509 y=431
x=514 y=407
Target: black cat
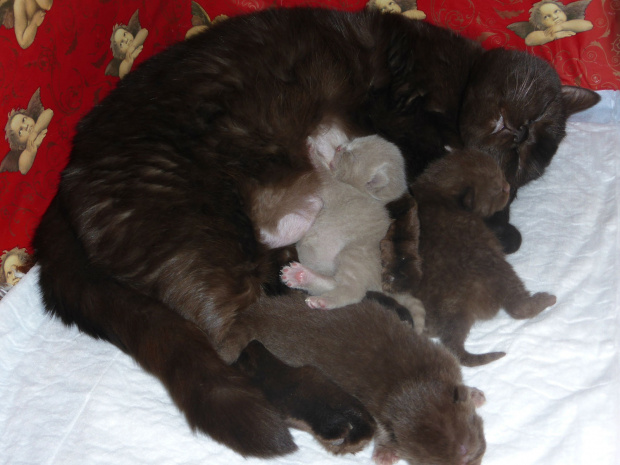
x=148 y=243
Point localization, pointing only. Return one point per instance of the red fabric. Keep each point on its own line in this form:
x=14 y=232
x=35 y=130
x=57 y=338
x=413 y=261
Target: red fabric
x=588 y=59
x=68 y=59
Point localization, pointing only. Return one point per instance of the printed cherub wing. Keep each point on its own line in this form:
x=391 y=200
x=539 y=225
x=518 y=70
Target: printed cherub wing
x=199 y=16
x=522 y=28
x=133 y=25
x=576 y=10
x=11 y=161
x=406 y=5
x=35 y=106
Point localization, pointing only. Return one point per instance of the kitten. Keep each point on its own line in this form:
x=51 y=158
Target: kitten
x=339 y=255
x=465 y=276
x=149 y=244
x=411 y=386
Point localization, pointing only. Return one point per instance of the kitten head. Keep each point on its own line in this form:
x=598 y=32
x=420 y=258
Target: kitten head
x=471 y=177
x=516 y=110
x=437 y=423
x=372 y=165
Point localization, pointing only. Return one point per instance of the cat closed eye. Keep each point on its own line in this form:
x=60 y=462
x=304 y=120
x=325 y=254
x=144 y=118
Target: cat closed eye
x=499 y=125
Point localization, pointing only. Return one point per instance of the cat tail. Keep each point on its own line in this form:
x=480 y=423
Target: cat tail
x=215 y=398
x=474 y=360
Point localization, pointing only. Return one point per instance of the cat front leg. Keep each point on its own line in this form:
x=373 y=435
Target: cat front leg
x=384 y=452
x=298 y=276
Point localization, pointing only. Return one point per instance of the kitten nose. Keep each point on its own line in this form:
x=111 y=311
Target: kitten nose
x=521 y=134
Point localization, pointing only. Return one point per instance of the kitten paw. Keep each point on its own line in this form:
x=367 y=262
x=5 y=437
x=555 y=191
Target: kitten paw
x=383 y=455
x=294 y=275
x=477 y=396
x=317 y=302
x=533 y=306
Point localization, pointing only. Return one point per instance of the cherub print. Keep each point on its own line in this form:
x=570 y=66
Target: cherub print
x=408 y=8
x=25 y=131
x=25 y=16
x=201 y=21
x=551 y=20
x=126 y=43
x=14 y=264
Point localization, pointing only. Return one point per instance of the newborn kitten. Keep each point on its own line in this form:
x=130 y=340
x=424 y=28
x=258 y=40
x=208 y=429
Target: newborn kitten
x=409 y=384
x=465 y=276
x=339 y=256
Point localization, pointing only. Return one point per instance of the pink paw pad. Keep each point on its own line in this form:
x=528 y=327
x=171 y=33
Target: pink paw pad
x=385 y=456
x=316 y=302
x=293 y=275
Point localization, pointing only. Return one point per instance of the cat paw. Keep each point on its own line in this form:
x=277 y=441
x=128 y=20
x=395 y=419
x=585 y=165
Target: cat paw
x=533 y=306
x=383 y=455
x=477 y=396
x=510 y=239
x=318 y=302
x=294 y=275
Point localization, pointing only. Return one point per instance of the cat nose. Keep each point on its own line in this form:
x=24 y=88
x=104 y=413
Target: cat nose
x=521 y=134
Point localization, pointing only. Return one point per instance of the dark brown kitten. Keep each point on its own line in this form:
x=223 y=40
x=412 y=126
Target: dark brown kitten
x=465 y=276
x=148 y=243
x=410 y=385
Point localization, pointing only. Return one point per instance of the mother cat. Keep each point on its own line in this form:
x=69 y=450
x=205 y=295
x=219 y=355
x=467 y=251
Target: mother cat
x=148 y=243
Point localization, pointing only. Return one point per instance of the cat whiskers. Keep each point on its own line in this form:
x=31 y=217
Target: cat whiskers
x=524 y=83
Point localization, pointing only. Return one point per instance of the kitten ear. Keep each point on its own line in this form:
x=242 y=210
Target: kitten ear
x=464 y=393
x=577 y=99
x=468 y=198
x=378 y=185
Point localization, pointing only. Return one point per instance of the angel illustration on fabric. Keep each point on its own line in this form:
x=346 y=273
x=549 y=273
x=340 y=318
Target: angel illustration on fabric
x=551 y=20
x=14 y=264
x=25 y=131
x=201 y=21
x=25 y=16
x=126 y=43
x=408 y=8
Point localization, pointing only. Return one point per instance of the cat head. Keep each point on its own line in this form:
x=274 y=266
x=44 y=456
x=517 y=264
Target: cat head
x=372 y=165
x=515 y=109
x=436 y=423
x=470 y=177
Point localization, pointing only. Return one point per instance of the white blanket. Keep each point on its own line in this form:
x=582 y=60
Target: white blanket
x=67 y=399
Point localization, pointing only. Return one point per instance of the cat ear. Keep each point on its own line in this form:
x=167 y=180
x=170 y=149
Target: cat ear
x=378 y=183
x=464 y=393
x=468 y=198
x=577 y=99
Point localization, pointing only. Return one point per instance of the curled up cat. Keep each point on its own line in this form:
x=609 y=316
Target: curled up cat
x=465 y=276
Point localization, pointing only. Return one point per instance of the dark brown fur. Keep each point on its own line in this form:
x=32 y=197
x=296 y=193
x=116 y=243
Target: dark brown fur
x=148 y=243
x=410 y=385
x=465 y=276
x=400 y=257
x=309 y=400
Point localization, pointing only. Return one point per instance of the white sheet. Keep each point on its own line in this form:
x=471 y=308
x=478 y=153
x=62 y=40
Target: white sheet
x=67 y=399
